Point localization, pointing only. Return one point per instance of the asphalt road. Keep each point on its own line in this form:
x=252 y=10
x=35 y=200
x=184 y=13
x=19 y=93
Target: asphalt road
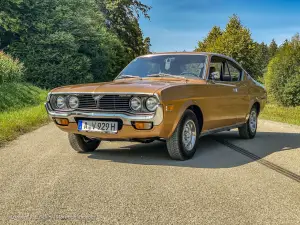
x=229 y=181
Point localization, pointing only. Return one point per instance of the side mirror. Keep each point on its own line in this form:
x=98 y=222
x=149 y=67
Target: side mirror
x=214 y=76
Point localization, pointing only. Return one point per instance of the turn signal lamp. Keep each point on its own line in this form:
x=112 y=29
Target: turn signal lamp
x=169 y=108
x=62 y=122
x=142 y=125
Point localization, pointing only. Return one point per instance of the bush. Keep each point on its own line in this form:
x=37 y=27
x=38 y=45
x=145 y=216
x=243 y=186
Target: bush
x=19 y=95
x=10 y=69
x=283 y=75
x=291 y=93
x=64 y=42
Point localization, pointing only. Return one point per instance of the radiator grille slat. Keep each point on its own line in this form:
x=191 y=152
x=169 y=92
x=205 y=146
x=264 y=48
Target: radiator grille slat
x=106 y=103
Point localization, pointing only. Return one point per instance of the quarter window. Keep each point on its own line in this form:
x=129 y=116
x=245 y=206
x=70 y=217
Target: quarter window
x=235 y=73
x=222 y=69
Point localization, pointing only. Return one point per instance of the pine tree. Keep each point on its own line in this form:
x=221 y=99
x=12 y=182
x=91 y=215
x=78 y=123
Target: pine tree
x=147 y=45
x=210 y=40
x=235 y=41
x=273 y=47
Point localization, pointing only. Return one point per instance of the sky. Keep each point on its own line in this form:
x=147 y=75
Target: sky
x=178 y=25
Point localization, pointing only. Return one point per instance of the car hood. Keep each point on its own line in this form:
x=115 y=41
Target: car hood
x=147 y=86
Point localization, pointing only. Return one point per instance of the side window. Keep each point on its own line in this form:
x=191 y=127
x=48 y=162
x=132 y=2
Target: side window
x=235 y=73
x=215 y=72
x=226 y=75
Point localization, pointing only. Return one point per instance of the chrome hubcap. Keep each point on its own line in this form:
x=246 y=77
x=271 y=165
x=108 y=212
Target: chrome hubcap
x=253 y=121
x=189 y=135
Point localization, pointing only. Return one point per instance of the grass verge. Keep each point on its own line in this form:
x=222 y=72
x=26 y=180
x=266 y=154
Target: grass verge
x=21 y=110
x=19 y=95
x=277 y=113
x=15 y=123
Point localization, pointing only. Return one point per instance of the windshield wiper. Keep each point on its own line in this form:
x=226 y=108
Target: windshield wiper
x=128 y=76
x=164 y=75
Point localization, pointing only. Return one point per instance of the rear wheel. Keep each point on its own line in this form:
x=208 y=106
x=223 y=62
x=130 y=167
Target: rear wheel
x=183 y=143
x=82 y=143
x=248 y=130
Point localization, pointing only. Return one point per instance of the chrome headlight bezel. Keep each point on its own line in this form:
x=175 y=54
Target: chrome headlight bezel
x=137 y=99
x=155 y=103
x=73 y=102
x=56 y=100
x=61 y=100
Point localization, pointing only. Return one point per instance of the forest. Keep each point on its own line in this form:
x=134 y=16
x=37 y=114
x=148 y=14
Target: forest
x=277 y=67
x=60 y=42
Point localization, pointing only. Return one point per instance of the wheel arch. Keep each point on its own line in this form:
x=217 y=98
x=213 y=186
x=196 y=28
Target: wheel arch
x=193 y=106
x=255 y=102
x=198 y=112
x=257 y=106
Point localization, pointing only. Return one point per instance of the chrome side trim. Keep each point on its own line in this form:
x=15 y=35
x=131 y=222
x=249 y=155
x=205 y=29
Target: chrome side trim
x=224 y=84
x=221 y=83
x=156 y=117
x=217 y=130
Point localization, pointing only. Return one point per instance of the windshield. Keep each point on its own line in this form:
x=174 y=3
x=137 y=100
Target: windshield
x=189 y=66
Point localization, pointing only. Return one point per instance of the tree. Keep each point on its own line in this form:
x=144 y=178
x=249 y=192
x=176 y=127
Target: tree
x=235 y=41
x=283 y=75
x=147 y=45
x=121 y=18
x=261 y=58
x=273 y=47
x=64 y=42
x=209 y=42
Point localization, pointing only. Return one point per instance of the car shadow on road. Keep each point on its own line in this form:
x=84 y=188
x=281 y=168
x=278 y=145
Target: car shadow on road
x=210 y=153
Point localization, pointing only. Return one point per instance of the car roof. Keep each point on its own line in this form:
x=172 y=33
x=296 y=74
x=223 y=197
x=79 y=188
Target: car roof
x=194 y=53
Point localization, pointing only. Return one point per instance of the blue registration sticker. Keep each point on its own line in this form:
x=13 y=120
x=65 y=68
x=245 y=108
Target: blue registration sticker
x=80 y=125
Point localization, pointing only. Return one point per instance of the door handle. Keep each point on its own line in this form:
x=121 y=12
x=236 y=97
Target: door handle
x=235 y=90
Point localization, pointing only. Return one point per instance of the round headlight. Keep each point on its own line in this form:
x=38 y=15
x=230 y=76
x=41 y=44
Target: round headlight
x=60 y=102
x=151 y=104
x=136 y=103
x=73 y=102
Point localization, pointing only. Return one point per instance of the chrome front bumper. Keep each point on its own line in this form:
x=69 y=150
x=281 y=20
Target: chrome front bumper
x=156 y=117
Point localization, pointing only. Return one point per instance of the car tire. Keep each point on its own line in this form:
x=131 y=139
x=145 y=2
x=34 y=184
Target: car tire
x=183 y=143
x=248 y=130
x=83 y=144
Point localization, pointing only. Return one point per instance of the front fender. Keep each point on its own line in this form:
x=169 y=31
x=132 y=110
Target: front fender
x=173 y=118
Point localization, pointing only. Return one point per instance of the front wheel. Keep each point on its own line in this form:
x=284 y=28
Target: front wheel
x=183 y=143
x=248 y=130
x=82 y=143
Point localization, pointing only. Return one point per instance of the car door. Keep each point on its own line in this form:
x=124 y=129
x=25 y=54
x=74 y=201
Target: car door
x=241 y=91
x=221 y=96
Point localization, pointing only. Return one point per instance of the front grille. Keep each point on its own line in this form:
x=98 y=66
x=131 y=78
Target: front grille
x=114 y=102
x=86 y=102
x=104 y=103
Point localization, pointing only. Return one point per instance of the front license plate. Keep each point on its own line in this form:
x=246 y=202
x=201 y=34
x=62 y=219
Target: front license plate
x=98 y=126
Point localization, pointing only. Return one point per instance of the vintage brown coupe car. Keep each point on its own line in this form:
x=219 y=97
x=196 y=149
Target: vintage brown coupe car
x=173 y=97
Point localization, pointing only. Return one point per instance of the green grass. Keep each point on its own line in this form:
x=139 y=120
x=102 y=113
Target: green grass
x=15 y=123
x=274 y=112
x=21 y=110
x=19 y=95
